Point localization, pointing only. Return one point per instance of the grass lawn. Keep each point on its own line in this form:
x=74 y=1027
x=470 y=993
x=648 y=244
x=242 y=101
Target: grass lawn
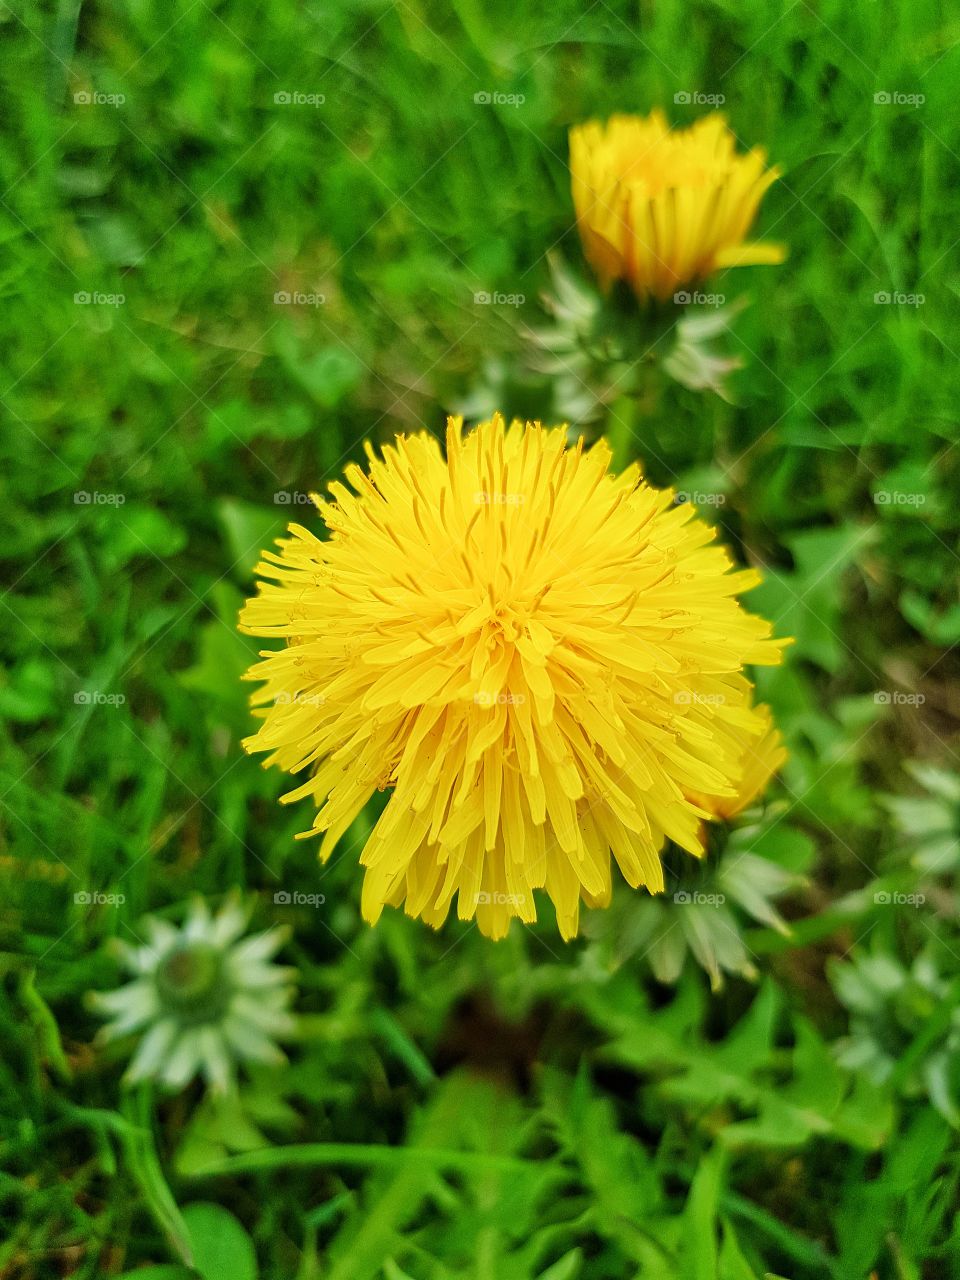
x=237 y=241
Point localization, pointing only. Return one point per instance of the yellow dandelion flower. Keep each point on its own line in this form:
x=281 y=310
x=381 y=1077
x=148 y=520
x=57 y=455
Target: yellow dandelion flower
x=760 y=758
x=661 y=207
x=539 y=660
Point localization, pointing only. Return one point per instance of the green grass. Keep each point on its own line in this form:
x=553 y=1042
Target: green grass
x=558 y=1112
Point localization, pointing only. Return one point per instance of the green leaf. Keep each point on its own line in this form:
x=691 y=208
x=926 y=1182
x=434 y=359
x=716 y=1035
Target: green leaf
x=568 y=1267
x=222 y=1250
x=327 y=374
x=44 y=1026
x=223 y=656
x=249 y=530
x=625 y=1190
x=134 y=532
x=30 y=691
x=806 y=603
x=700 y=1219
x=733 y=1265
x=792 y=1095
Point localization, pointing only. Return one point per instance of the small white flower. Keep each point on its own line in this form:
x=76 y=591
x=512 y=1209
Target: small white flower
x=203 y=997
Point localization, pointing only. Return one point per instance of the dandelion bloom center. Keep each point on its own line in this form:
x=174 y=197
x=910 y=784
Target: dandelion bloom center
x=539 y=661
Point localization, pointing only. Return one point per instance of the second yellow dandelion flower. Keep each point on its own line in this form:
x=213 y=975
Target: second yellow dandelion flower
x=661 y=208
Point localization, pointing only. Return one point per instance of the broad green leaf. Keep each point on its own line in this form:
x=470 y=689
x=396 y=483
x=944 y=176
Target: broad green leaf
x=222 y=1250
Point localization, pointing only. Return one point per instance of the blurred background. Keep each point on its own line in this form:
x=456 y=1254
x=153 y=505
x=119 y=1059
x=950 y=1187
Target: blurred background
x=239 y=239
